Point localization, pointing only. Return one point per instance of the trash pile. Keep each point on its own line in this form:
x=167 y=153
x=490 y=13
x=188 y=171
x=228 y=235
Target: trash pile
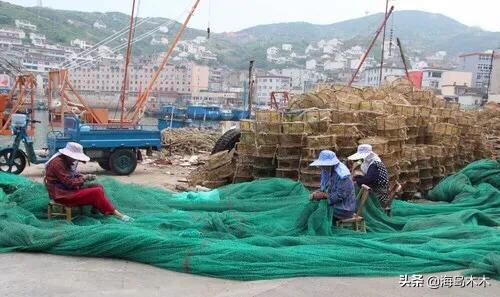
x=186 y=141
x=420 y=137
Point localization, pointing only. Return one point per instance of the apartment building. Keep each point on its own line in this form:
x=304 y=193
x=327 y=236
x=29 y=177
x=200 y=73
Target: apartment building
x=108 y=77
x=267 y=84
x=479 y=64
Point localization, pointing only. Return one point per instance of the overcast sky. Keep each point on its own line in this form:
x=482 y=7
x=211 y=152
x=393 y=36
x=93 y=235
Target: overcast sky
x=233 y=15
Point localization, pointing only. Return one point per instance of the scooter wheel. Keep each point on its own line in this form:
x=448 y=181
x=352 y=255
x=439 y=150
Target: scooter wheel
x=18 y=162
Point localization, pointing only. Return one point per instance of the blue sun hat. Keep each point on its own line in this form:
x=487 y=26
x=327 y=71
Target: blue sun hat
x=326 y=158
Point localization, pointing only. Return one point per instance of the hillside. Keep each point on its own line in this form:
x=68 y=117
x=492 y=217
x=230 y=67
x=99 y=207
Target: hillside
x=62 y=26
x=420 y=31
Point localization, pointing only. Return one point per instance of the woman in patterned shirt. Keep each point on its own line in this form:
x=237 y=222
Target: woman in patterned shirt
x=374 y=173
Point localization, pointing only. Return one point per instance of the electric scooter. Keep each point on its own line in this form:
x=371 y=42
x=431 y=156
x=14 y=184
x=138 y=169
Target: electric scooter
x=13 y=159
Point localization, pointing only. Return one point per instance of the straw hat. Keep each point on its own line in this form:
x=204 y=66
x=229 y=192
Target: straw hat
x=363 y=151
x=326 y=158
x=74 y=151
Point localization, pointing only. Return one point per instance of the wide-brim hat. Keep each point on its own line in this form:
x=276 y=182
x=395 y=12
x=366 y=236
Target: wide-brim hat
x=74 y=151
x=363 y=151
x=326 y=158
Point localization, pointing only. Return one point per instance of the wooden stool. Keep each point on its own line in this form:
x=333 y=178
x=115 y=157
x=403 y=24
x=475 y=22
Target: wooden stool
x=58 y=210
x=357 y=221
x=396 y=189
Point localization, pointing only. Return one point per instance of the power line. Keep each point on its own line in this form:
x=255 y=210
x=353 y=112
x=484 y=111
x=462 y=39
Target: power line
x=105 y=41
x=123 y=45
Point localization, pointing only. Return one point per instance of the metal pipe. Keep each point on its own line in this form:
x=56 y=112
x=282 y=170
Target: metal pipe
x=143 y=99
x=371 y=46
x=383 y=47
x=403 y=58
x=127 y=62
x=491 y=71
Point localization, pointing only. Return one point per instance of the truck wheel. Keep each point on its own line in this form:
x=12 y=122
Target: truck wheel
x=105 y=164
x=18 y=164
x=123 y=161
x=227 y=141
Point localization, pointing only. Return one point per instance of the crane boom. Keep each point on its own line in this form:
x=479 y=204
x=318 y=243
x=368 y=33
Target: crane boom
x=142 y=99
x=365 y=55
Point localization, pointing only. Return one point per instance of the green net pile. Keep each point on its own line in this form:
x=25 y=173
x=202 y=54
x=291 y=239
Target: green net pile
x=269 y=229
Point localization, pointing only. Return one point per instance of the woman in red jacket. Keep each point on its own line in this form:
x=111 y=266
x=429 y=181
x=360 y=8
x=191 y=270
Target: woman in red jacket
x=66 y=186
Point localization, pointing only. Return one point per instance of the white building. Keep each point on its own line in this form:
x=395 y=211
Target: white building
x=335 y=43
x=214 y=98
x=438 y=56
x=495 y=74
x=265 y=85
x=309 y=49
x=159 y=40
x=22 y=24
x=321 y=43
x=354 y=63
x=458 y=78
x=81 y=44
x=420 y=65
x=99 y=25
x=333 y=65
x=163 y=29
x=184 y=78
x=38 y=39
x=355 y=51
x=479 y=63
x=272 y=53
x=200 y=40
x=302 y=79
x=371 y=75
x=431 y=78
x=11 y=36
x=311 y=64
x=286 y=47
x=328 y=49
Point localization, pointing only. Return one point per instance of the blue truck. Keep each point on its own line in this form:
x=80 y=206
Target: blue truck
x=117 y=149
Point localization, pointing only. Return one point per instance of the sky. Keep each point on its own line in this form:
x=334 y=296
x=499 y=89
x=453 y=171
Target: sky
x=234 y=15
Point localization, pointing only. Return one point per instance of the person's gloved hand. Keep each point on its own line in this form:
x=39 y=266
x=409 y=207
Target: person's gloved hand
x=318 y=196
x=89 y=177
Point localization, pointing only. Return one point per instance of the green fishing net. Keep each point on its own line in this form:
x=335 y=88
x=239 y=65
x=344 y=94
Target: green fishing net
x=268 y=229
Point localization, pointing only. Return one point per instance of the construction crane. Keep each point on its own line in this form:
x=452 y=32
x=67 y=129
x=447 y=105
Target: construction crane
x=365 y=55
x=134 y=114
x=24 y=86
x=59 y=83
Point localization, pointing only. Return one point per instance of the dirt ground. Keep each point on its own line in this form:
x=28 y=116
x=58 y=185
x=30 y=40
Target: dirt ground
x=147 y=173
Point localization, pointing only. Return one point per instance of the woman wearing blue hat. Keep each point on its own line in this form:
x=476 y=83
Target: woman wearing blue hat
x=336 y=185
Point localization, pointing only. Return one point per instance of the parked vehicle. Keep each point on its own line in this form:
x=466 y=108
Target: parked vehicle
x=115 y=148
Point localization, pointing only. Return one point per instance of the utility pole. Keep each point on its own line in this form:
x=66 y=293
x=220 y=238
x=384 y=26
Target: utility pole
x=127 y=62
x=372 y=43
x=404 y=59
x=489 y=76
x=383 y=46
x=250 y=87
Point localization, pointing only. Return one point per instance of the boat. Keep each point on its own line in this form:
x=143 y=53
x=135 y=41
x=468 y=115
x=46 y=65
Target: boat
x=196 y=112
x=213 y=113
x=239 y=114
x=173 y=123
x=168 y=111
x=226 y=115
